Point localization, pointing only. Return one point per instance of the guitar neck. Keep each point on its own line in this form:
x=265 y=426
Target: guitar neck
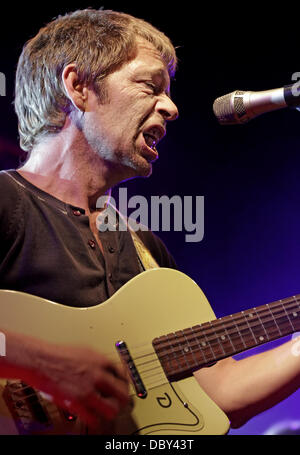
x=187 y=350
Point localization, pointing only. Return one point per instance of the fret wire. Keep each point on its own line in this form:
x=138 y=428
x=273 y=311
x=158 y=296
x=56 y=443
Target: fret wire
x=209 y=345
x=196 y=347
x=210 y=340
x=250 y=311
x=288 y=316
x=249 y=328
x=216 y=323
x=239 y=333
x=260 y=309
x=183 y=353
x=287 y=310
x=296 y=300
x=296 y=313
x=190 y=350
x=240 y=316
x=297 y=303
x=268 y=325
x=197 y=341
x=165 y=347
x=234 y=318
x=213 y=339
x=172 y=352
x=285 y=306
x=218 y=339
x=180 y=369
x=226 y=341
x=274 y=319
x=261 y=323
x=175 y=351
x=211 y=331
x=251 y=325
x=283 y=320
x=298 y=306
x=227 y=336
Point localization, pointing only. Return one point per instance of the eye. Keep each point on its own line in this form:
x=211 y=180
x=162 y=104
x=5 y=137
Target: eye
x=152 y=86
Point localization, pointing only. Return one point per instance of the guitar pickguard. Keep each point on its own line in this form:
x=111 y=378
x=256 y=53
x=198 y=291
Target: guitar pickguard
x=164 y=410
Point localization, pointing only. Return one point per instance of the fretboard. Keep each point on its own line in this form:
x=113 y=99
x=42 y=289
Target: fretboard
x=187 y=350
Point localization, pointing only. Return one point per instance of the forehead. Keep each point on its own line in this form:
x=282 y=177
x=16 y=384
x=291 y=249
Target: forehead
x=148 y=57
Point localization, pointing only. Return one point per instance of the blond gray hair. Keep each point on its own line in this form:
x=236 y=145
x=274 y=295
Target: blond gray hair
x=98 y=42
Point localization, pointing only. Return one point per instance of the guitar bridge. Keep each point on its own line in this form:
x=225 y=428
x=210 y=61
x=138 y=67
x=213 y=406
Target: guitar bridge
x=134 y=374
x=25 y=406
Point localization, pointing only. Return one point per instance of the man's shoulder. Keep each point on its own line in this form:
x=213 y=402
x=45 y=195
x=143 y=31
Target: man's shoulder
x=8 y=178
x=157 y=248
x=9 y=188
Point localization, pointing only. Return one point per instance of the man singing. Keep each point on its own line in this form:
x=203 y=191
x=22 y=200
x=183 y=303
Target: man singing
x=93 y=101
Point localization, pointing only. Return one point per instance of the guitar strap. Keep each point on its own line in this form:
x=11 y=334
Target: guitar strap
x=145 y=258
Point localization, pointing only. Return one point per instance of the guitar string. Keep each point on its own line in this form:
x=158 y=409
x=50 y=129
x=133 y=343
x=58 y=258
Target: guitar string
x=225 y=324
x=23 y=396
x=215 y=339
x=211 y=331
x=230 y=322
x=229 y=325
x=211 y=340
x=52 y=408
x=234 y=319
x=181 y=355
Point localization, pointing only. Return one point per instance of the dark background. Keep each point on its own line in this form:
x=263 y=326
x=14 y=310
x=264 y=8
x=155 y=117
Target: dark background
x=249 y=175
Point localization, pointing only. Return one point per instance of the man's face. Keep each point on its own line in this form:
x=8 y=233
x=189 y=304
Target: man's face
x=125 y=129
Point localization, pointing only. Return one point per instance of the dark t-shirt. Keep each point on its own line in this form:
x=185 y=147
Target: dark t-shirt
x=47 y=248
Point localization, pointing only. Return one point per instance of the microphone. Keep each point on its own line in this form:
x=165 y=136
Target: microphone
x=239 y=107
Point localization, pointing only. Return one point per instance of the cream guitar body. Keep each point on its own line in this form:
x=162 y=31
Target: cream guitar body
x=154 y=303
x=162 y=327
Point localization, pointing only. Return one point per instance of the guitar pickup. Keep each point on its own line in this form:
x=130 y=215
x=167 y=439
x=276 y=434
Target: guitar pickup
x=134 y=374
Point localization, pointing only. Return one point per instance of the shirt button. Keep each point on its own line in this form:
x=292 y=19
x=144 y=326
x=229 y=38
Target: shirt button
x=76 y=212
x=110 y=276
x=92 y=243
x=111 y=249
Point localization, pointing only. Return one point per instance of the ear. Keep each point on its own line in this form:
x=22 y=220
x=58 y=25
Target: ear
x=77 y=93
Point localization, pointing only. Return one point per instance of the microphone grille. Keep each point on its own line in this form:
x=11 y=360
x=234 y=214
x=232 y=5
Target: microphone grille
x=239 y=106
x=229 y=108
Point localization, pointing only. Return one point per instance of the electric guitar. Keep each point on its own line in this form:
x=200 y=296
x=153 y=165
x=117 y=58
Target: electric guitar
x=162 y=326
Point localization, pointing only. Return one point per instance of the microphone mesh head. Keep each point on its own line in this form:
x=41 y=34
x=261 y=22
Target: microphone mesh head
x=229 y=108
x=223 y=108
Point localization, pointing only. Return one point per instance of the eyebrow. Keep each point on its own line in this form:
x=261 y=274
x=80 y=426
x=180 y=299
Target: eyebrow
x=156 y=71
x=162 y=72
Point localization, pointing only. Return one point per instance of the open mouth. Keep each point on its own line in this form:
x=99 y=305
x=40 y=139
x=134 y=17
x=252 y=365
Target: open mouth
x=150 y=150
x=150 y=140
x=152 y=136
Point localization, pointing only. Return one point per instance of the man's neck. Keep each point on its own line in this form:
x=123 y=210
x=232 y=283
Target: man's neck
x=66 y=190
x=75 y=181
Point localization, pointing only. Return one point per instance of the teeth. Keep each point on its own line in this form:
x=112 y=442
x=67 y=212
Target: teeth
x=150 y=140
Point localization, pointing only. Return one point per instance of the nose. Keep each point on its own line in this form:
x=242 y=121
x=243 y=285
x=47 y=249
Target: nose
x=167 y=108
